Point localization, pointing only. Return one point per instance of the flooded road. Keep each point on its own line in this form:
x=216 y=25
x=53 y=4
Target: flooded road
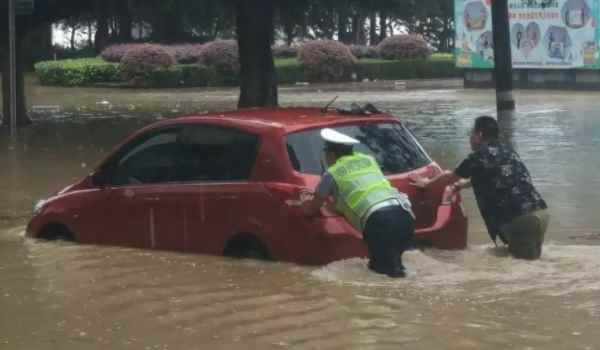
x=68 y=296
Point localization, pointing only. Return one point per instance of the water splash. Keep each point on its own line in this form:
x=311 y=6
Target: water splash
x=484 y=270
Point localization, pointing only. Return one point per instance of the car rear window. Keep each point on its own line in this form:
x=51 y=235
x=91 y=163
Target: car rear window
x=391 y=144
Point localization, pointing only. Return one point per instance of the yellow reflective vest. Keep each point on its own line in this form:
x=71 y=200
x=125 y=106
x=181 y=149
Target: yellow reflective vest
x=361 y=185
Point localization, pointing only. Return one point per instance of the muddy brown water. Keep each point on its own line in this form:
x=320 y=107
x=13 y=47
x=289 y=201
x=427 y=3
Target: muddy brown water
x=68 y=296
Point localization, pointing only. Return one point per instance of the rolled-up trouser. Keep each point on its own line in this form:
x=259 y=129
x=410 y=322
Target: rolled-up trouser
x=525 y=234
x=388 y=232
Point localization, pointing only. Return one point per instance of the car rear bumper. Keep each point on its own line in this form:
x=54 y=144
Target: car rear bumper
x=449 y=230
x=339 y=240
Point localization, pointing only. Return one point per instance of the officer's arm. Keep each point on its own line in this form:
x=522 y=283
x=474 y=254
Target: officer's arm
x=324 y=190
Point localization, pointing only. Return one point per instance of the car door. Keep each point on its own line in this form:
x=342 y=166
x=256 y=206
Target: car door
x=215 y=165
x=141 y=208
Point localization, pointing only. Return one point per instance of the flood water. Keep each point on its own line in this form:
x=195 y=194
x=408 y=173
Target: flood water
x=69 y=296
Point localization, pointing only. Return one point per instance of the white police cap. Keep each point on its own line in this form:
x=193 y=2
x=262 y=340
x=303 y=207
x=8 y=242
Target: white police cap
x=333 y=136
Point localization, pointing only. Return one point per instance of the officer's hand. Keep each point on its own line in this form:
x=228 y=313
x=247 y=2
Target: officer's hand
x=306 y=195
x=419 y=181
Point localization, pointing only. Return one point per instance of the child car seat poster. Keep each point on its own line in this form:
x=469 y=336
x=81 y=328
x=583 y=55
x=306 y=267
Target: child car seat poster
x=543 y=33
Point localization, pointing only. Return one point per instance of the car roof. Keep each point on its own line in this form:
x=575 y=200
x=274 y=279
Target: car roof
x=287 y=120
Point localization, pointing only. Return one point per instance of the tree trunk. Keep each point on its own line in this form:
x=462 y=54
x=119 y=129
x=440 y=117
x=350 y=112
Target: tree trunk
x=255 y=27
x=358 y=30
x=125 y=21
x=22 y=118
x=101 y=37
x=343 y=34
x=373 y=37
x=73 y=32
x=382 y=26
x=289 y=31
x=171 y=27
x=90 y=36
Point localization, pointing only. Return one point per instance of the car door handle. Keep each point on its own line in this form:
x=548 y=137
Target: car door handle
x=151 y=199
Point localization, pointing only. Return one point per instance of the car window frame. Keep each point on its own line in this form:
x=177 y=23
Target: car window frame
x=352 y=123
x=112 y=164
x=235 y=129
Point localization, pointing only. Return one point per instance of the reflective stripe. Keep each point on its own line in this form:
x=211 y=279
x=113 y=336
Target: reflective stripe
x=359 y=183
x=373 y=198
x=353 y=165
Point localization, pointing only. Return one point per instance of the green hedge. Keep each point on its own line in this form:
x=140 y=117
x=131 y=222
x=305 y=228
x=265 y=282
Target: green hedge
x=438 y=66
x=84 y=72
x=77 y=72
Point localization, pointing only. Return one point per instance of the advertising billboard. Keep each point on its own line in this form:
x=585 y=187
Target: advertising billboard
x=543 y=34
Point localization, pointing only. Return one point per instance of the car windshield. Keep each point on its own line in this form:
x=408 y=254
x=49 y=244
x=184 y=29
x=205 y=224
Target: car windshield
x=392 y=145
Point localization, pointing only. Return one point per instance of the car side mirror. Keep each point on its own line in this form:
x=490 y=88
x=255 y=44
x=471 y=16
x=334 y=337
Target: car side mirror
x=101 y=178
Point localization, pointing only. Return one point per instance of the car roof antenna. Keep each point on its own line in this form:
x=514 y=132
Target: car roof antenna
x=324 y=109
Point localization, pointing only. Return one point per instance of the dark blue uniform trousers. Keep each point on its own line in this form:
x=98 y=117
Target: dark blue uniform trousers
x=388 y=233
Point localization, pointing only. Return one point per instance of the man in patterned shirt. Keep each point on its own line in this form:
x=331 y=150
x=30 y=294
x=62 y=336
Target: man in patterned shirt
x=510 y=205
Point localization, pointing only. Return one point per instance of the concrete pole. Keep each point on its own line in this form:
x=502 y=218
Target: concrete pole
x=503 y=73
x=12 y=33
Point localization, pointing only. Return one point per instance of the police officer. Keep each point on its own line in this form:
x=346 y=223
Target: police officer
x=366 y=199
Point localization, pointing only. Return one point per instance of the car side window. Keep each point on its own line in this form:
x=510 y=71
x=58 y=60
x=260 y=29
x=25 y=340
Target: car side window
x=151 y=160
x=210 y=153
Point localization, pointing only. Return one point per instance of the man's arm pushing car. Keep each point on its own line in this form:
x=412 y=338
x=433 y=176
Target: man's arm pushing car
x=458 y=183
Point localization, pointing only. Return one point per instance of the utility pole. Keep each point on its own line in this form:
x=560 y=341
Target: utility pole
x=503 y=73
x=12 y=33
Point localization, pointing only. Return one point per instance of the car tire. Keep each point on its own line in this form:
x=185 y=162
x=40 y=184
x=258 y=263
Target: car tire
x=56 y=232
x=246 y=246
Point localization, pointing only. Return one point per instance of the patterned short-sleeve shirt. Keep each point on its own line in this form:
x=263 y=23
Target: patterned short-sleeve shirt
x=502 y=185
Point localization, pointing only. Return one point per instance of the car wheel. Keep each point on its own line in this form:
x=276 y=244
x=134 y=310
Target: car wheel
x=246 y=246
x=56 y=232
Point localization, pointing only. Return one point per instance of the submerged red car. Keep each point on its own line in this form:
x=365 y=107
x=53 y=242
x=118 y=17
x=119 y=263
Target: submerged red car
x=232 y=184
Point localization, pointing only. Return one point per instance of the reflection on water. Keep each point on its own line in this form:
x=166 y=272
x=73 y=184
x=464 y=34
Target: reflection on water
x=69 y=296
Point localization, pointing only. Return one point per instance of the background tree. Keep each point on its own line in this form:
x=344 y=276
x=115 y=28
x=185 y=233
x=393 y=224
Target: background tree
x=255 y=28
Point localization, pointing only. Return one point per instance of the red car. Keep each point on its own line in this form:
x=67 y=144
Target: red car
x=232 y=184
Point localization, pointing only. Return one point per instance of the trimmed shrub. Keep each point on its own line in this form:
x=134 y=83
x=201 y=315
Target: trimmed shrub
x=198 y=75
x=326 y=60
x=85 y=72
x=115 y=53
x=363 y=51
x=285 y=51
x=144 y=59
x=77 y=72
x=404 y=46
x=185 y=54
x=222 y=55
x=169 y=77
x=290 y=74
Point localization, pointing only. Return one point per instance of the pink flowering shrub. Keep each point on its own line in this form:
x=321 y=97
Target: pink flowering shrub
x=144 y=59
x=326 y=60
x=363 y=51
x=285 y=51
x=185 y=54
x=404 y=46
x=115 y=53
x=223 y=55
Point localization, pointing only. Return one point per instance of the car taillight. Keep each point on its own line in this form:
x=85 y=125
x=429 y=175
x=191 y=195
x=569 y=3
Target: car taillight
x=450 y=196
